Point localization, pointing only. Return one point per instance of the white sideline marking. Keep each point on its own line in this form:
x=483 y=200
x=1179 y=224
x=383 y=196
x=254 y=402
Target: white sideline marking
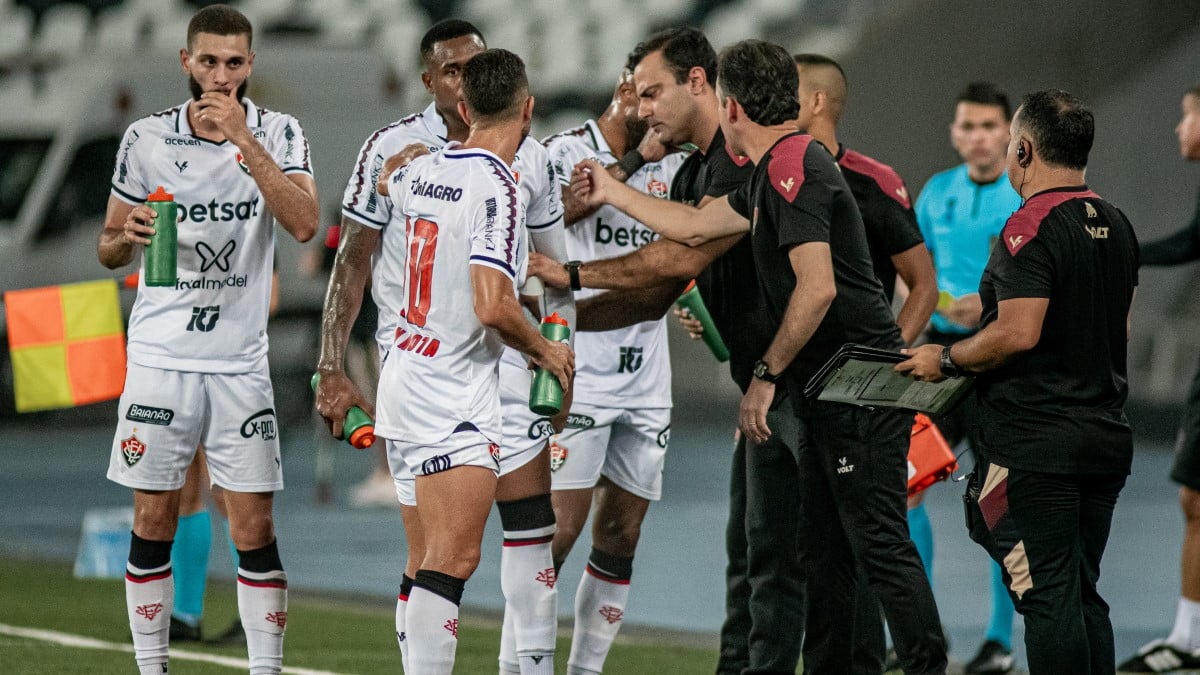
x=69 y=640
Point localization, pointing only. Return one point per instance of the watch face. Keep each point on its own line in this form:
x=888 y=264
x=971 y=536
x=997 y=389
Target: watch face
x=760 y=369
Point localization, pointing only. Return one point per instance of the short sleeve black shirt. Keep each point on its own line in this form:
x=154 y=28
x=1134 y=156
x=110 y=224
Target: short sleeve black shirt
x=887 y=212
x=729 y=285
x=798 y=196
x=1058 y=408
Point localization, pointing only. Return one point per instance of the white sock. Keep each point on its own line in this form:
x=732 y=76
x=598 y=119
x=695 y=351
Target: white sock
x=1185 y=636
x=149 y=597
x=401 y=610
x=262 y=603
x=431 y=622
x=508 y=645
x=599 y=608
x=527 y=578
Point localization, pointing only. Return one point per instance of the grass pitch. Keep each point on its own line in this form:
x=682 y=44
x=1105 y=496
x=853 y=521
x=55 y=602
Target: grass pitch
x=323 y=633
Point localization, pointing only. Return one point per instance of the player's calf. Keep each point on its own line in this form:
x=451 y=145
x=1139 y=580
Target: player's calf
x=262 y=603
x=528 y=577
x=599 y=608
x=149 y=596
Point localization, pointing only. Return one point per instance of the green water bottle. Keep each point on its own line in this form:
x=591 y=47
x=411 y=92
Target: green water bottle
x=545 y=392
x=694 y=304
x=160 y=252
x=358 y=429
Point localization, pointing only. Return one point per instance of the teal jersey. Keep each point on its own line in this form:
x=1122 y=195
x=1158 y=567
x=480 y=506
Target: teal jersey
x=960 y=220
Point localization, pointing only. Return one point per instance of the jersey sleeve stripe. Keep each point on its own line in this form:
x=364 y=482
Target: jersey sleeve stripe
x=297 y=169
x=494 y=262
x=360 y=218
x=544 y=225
x=125 y=196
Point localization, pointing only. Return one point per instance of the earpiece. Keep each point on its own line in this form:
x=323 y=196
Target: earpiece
x=1024 y=156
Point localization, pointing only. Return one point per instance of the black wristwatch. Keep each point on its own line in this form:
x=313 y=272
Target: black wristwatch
x=949 y=369
x=572 y=267
x=763 y=372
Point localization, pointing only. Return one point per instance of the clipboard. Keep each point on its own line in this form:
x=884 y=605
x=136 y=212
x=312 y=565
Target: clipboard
x=862 y=375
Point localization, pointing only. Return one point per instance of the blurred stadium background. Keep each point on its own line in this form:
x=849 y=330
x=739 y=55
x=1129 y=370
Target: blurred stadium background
x=74 y=74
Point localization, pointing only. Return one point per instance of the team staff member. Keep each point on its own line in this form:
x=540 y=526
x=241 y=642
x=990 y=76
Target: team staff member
x=961 y=212
x=198 y=350
x=1052 y=423
x=816 y=278
x=1181 y=649
x=439 y=391
x=674 y=72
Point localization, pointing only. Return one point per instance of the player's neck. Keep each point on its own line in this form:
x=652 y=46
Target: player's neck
x=758 y=140
x=708 y=121
x=1043 y=177
x=613 y=131
x=824 y=131
x=985 y=175
x=502 y=140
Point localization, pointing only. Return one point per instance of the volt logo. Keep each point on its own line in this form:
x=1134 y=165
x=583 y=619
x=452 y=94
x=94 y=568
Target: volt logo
x=210 y=258
x=182 y=166
x=204 y=319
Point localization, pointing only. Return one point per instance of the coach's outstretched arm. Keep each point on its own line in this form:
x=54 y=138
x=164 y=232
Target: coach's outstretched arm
x=497 y=308
x=673 y=220
x=291 y=198
x=336 y=393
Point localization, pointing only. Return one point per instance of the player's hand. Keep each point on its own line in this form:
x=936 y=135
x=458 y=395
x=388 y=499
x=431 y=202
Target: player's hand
x=652 y=147
x=557 y=358
x=225 y=111
x=137 y=227
x=549 y=270
x=924 y=363
x=559 y=421
x=402 y=158
x=964 y=311
x=336 y=393
x=692 y=325
x=588 y=182
x=752 y=415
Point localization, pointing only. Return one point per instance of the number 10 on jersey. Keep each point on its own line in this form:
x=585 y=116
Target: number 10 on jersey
x=422 y=244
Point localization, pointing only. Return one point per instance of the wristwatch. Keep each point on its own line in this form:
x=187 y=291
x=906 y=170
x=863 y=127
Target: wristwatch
x=572 y=267
x=763 y=372
x=949 y=369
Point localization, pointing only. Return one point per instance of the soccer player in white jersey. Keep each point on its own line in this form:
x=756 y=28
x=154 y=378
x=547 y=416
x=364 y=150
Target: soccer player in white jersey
x=439 y=394
x=523 y=493
x=198 y=350
x=617 y=433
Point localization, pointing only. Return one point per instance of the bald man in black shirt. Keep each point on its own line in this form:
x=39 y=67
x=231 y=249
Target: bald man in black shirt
x=1051 y=364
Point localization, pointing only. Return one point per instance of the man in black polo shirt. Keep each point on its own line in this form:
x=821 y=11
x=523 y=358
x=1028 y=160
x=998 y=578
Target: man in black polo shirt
x=674 y=75
x=816 y=279
x=1051 y=358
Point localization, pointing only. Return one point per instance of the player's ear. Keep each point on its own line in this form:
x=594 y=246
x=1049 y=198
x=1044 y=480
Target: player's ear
x=464 y=113
x=183 y=61
x=527 y=110
x=427 y=80
x=697 y=78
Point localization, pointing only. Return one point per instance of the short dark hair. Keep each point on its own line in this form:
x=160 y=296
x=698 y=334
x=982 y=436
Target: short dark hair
x=447 y=29
x=1194 y=91
x=818 y=60
x=219 y=20
x=985 y=93
x=493 y=82
x=683 y=48
x=762 y=77
x=1061 y=126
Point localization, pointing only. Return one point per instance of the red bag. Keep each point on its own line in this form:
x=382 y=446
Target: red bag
x=930 y=458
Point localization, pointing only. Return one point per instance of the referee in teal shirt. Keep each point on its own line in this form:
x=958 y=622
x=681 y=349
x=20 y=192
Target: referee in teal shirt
x=961 y=212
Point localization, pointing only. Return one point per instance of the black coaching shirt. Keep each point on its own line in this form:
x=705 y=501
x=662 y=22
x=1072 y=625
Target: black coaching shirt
x=1058 y=408
x=887 y=211
x=797 y=196
x=729 y=285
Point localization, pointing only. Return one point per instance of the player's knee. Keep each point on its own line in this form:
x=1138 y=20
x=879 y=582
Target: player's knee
x=456 y=561
x=154 y=523
x=252 y=530
x=617 y=535
x=1189 y=501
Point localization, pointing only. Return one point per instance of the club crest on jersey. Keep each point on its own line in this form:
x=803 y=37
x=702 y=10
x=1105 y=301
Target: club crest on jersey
x=558 y=456
x=657 y=188
x=132 y=450
x=241 y=162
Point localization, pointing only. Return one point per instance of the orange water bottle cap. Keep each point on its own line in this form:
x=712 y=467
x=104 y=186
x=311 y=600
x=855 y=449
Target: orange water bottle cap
x=363 y=437
x=161 y=195
x=690 y=286
x=555 y=318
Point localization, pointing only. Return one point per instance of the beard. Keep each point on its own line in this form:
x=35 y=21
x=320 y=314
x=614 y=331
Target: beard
x=198 y=91
x=635 y=131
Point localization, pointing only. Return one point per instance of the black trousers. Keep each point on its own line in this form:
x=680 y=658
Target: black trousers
x=1048 y=532
x=853 y=471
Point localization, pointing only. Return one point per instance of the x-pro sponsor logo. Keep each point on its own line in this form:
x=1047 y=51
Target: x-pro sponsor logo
x=541 y=426
x=149 y=415
x=261 y=423
x=664 y=437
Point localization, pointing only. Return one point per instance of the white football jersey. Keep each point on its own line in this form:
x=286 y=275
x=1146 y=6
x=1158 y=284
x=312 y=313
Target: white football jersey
x=628 y=367
x=363 y=204
x=214 y=319
x=458 y=207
